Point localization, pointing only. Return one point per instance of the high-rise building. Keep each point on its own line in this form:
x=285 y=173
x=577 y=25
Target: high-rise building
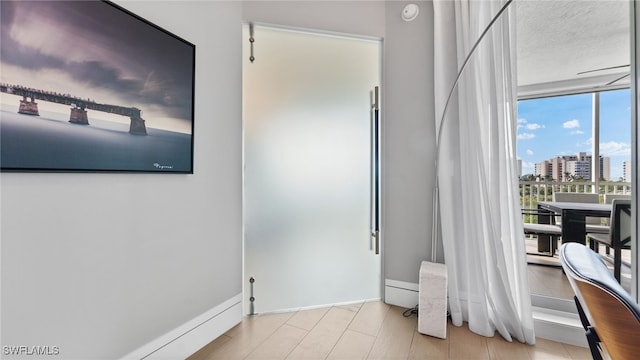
x=626 y=171
x=558 y=166
x=605 y=168
x=543 y=169
x=578 y=168
x=563 y=168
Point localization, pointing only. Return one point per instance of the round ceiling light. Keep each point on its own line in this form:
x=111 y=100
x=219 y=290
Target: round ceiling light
x=410 y=12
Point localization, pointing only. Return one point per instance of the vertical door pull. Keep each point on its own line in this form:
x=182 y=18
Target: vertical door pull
x=376 y=171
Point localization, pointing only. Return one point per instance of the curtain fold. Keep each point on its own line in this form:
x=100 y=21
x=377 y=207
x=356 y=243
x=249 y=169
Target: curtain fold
x=478 y=194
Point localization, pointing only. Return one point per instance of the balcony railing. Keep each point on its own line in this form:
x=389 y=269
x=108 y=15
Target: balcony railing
x=533 y=191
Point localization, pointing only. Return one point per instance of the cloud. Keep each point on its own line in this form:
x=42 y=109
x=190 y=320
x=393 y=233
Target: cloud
x=613 y=148
x=577 y=132
x=145 y=69
x=524 y=123
x=534 y=126
x=15 y=53
x=528 y=167
x=526 y=136
x=521 y=122
x=571 y=124
x=529 y=152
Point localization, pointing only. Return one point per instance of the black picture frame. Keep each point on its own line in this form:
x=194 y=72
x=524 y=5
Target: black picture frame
x=88 y=86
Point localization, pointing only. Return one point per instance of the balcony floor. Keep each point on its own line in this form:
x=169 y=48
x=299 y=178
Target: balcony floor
x=546 y=277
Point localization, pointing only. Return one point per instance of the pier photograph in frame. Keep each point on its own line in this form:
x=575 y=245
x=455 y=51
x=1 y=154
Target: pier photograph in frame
x=87 y=86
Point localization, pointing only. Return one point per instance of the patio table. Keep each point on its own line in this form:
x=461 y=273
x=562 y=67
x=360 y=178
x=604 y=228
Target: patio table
x=573 y=219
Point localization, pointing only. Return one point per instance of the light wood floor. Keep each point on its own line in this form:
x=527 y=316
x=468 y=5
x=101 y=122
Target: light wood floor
x=371 y=330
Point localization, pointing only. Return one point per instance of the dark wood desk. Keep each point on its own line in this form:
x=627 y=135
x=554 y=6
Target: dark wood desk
x=573 y=219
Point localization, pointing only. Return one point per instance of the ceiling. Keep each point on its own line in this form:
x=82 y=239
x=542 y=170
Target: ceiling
x=558 y=40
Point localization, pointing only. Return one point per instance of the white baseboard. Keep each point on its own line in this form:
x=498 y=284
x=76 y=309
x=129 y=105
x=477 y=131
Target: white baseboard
x=313 y=307
x=559 y=326
x=190 y=337
x=400 y=293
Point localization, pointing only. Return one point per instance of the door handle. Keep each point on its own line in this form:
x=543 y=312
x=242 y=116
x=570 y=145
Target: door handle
x=376 y=171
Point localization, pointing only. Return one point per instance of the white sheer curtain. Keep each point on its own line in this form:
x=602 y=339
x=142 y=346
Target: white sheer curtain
x=479 y=214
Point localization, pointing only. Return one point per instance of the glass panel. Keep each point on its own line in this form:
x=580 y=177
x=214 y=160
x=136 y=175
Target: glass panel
x=615 y=152
x=555 y=142
x=615 y=137
x=573 y=73
x=307 y=180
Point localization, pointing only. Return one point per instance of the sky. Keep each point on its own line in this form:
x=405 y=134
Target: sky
x=556 y=126
x=93 y=50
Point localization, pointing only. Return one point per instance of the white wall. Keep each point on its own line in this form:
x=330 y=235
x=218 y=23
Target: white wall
x=409 y=142
x=101 y=264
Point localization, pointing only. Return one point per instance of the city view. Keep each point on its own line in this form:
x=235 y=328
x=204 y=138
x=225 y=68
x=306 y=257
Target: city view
x=555 y=137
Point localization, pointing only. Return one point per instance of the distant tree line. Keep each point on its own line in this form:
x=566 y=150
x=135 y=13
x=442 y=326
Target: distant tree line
x=549 y=178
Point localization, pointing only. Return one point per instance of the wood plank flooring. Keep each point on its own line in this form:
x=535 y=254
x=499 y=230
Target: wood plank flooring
x=370 y=330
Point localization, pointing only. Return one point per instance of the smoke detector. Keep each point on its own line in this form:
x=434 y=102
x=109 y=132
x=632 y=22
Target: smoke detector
x=410 y=12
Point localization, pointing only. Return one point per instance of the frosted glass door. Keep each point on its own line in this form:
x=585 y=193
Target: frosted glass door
x=307 y=169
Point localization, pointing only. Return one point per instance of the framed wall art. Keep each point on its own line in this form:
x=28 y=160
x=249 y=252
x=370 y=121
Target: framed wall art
x=87 y=86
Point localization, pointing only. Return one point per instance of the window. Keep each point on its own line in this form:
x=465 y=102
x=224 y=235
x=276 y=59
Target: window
x=557 y=144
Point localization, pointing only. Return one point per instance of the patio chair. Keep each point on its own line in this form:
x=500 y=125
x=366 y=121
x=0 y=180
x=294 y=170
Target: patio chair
x=610 y=317
x=552 y=230
x=576 y=197
x=593 y=224
x=619 y=237
x=608 y=198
